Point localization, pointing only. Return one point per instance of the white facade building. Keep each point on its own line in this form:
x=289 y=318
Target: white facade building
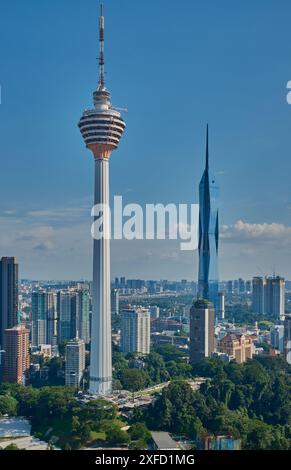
x=154 y=312
x=75 y=362
x=221 y=305
x=135 y=330
x=277 y=337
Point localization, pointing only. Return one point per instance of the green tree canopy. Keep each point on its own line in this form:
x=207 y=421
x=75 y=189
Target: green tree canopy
x=8 y=405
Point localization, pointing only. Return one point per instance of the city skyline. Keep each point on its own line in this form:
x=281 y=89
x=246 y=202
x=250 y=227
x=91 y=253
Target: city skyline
x=158 y=325
x=47 y=226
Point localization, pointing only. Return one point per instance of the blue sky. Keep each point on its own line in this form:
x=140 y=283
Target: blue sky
x=175 y=66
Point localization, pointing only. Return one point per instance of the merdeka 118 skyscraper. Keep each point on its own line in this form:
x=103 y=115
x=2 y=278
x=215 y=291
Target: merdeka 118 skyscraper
x=101 y=128
x=208 y=235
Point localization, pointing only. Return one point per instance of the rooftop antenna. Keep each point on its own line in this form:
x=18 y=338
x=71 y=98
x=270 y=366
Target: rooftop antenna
x=274 y=270
x=207 y=148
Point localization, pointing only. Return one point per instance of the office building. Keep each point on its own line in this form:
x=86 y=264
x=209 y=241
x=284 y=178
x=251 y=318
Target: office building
x=201 y=330
x=101 y=128
x=75 y=362
x=208 y=235
x=135 y=330
x=8 y=295
x=16 y=355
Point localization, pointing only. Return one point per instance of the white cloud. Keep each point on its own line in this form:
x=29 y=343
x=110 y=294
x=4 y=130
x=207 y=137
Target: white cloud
x=63 y=213
x=36 y=233
x=242 y=232
x=63 y=248
x=46 y=245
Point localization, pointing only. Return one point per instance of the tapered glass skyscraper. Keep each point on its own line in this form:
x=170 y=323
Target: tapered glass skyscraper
x=208 y=235
x=101 y=128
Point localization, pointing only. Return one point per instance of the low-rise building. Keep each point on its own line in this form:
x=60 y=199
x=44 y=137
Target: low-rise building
x=240 y=347
x=163 y=441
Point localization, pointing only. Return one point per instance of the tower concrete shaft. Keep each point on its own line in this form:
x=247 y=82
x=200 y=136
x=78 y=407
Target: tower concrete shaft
x=101 y=360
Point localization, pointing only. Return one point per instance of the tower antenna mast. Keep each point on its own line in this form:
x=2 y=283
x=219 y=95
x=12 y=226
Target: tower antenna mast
x=101 y=49
x=207 y=148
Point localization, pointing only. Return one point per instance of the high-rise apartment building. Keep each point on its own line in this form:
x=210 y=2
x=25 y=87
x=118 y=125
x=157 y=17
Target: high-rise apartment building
x=115 y=301
x=83 y=316
x=52 y=318
x=101 y=128
x=248 y=287
x=75 y=362
x=241 y=286
x=16 y=355
x=275 y=297
x=277 y=337
x=39 y=319
x=8 y=295
x=235 y=286
x=202 y=327
x=44 y=318
x=66 y=306
x=221 y=305
x=73 y=308
x=135 y=330
x=154 y=312
x=258 y=289
x=229 y=287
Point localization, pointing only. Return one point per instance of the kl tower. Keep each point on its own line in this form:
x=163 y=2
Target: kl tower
x=101 y=128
